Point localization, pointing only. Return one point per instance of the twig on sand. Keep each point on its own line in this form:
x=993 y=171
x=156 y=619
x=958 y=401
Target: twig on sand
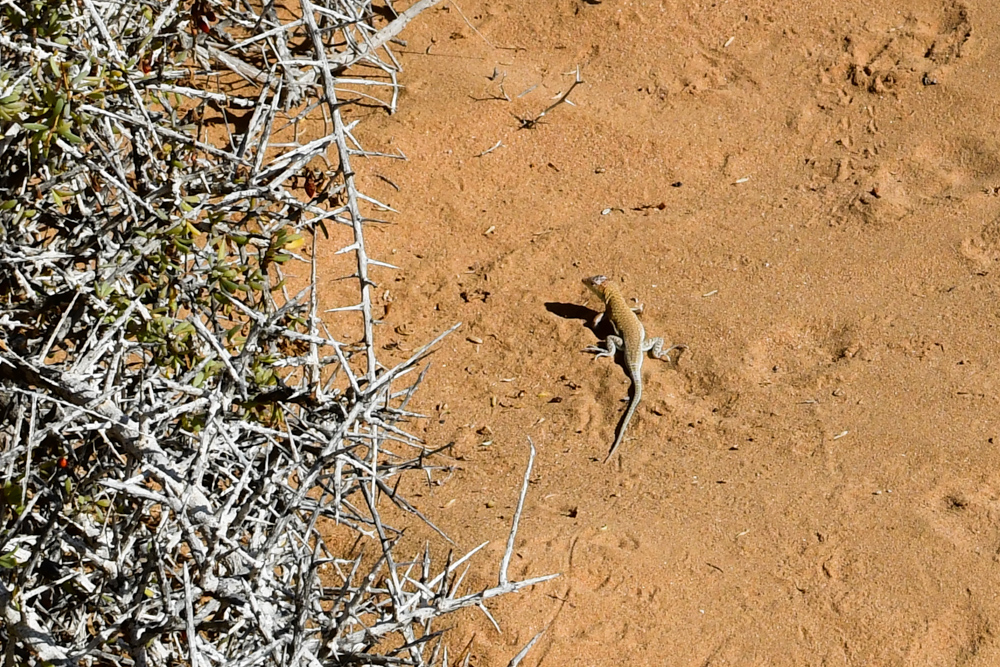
x=531 y=123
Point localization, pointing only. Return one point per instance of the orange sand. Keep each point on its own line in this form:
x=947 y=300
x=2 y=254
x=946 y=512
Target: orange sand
x=807 y=195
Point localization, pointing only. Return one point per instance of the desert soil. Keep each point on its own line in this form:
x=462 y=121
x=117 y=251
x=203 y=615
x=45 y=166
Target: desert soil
x=805 y=193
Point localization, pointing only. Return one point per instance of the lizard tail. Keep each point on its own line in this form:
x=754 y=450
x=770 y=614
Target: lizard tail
x=626 y=418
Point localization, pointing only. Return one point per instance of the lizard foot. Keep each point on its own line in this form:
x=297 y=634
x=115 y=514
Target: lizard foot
x=598 y=352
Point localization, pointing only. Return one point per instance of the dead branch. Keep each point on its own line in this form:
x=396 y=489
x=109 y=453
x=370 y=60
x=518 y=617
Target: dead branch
x=531 y=123
x=180 y=429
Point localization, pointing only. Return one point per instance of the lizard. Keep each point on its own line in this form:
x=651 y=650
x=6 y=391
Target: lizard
x=630 y=338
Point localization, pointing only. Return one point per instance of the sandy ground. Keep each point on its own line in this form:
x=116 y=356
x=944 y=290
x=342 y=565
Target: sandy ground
x=805 y=193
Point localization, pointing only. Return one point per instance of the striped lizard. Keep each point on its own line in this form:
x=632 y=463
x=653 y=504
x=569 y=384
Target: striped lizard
x=630 y=338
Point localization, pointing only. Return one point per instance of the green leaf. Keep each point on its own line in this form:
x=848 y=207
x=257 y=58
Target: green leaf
x=103 y=289
x=12 y=493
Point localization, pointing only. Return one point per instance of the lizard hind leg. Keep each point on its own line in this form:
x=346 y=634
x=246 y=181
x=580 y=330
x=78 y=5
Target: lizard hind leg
x=655 y=347
x=611 y=345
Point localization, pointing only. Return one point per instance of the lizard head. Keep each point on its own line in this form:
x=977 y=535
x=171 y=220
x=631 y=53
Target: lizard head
x=596 y=284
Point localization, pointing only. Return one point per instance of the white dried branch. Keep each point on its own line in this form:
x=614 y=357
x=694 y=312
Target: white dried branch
x=505 y=563
x=171 y=487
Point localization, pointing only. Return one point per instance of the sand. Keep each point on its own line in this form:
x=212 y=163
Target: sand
x=808 y=195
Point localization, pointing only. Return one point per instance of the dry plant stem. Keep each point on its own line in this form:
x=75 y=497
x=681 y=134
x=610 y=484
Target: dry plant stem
x=505 y=563
x=384 y=35
x=469 y=23
x=357 y=220
x=180 y=428
x=516 y=660
x=530 y=123
x=314 y=369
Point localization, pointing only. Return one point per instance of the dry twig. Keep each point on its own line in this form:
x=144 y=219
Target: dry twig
x=531 y=123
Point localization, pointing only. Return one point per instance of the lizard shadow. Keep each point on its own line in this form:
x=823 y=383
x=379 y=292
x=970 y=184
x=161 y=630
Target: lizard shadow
x=570 y=311
x=573 y=311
